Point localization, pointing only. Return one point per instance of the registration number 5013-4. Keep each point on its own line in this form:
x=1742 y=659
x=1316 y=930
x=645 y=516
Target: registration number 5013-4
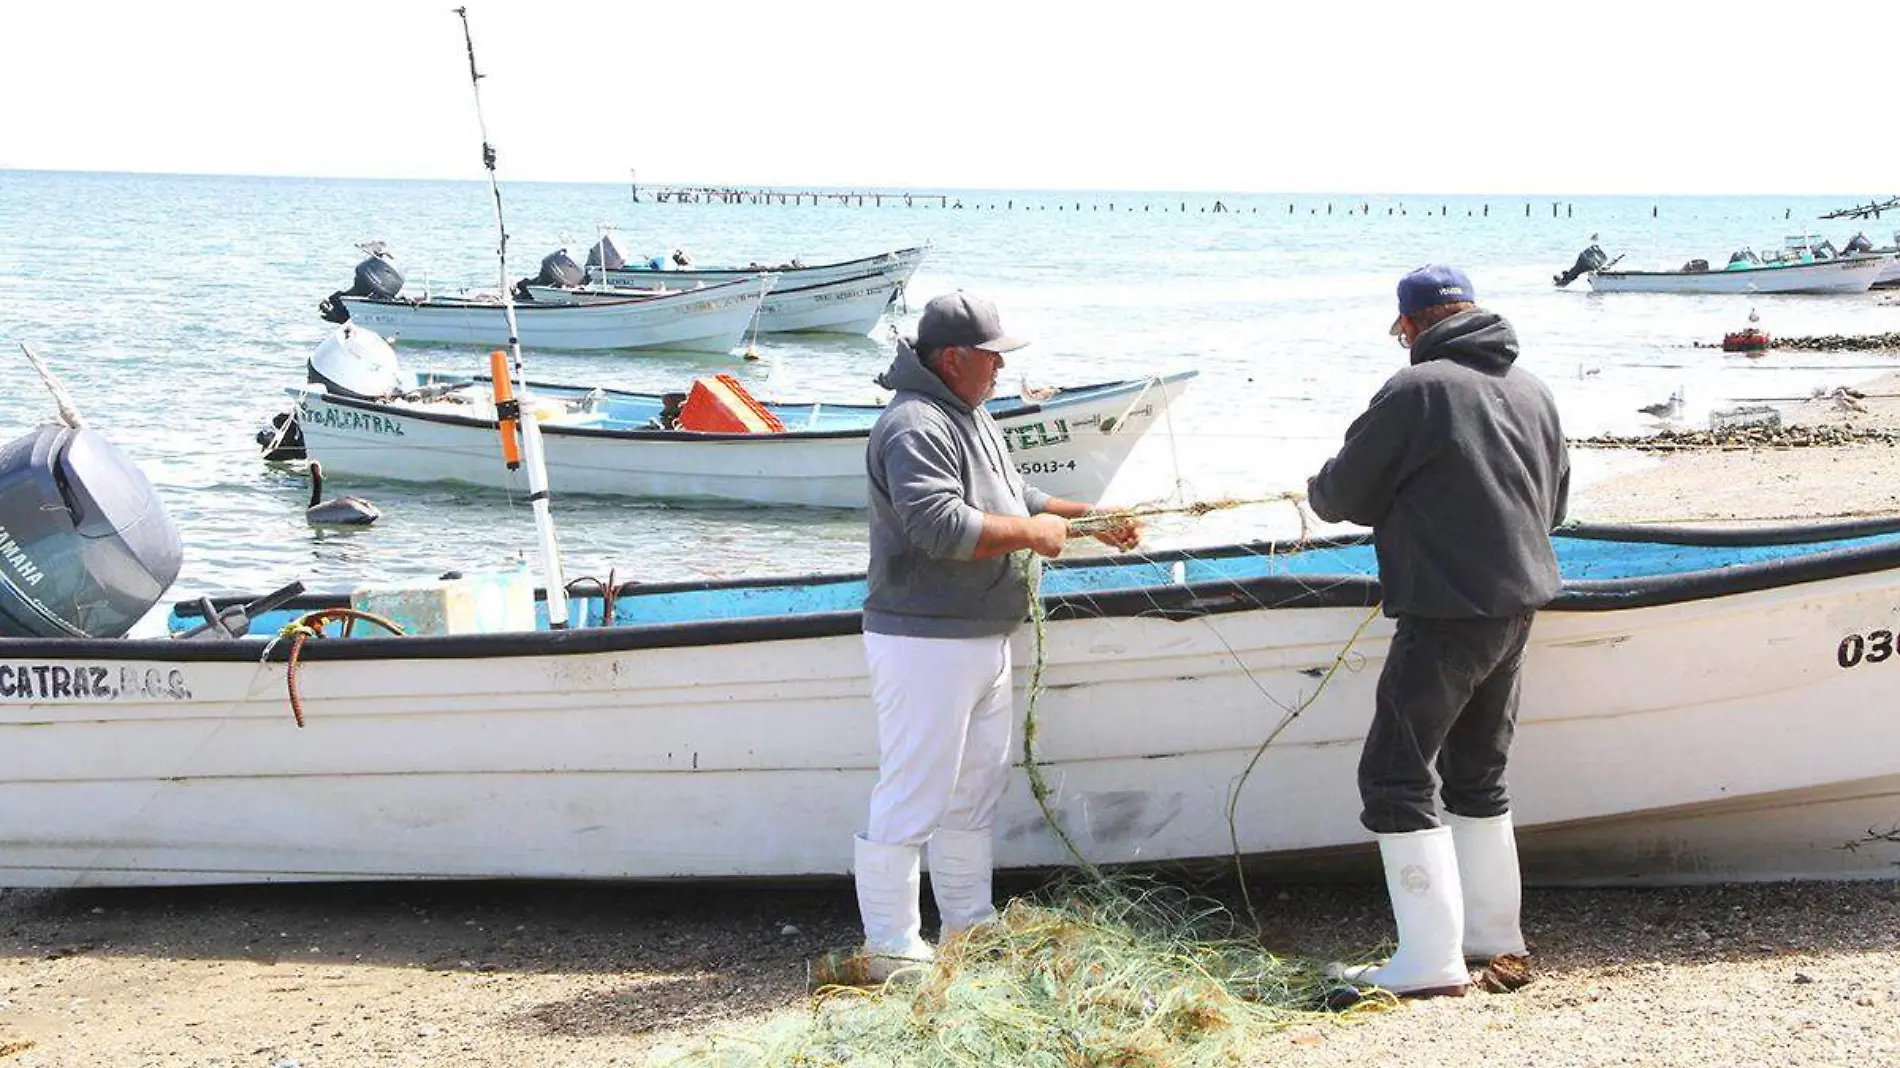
x=1044 y=467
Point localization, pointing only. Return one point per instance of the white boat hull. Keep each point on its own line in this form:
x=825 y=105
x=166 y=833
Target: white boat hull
x=1064 y=450
x=1853 y=275
x=710 y=320
x=1716 y=739
x=850 y=306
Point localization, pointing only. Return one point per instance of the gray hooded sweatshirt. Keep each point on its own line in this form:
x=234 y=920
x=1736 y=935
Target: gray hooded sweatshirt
x=936 y=467
x=1459 y=467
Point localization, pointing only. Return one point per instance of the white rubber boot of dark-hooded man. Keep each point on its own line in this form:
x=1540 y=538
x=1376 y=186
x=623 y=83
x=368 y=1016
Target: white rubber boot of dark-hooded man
x=1421 y=877
x=960 y=863
x=888 y=881
x=1493 y=891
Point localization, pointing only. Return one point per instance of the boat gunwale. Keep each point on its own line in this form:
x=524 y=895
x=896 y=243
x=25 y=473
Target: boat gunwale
x=432 y=302
x=1122 y=387
x=1162 y=600
x=1843 y=262
x=893 y=256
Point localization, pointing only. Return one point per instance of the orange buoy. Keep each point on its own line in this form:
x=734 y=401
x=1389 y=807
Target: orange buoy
x=507 y=409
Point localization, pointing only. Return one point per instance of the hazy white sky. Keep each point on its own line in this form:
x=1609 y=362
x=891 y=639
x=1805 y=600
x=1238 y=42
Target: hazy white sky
x=1469 y=96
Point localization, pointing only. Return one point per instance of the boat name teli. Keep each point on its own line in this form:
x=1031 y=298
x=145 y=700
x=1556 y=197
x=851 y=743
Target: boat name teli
x=348 y=419
x=85 y=682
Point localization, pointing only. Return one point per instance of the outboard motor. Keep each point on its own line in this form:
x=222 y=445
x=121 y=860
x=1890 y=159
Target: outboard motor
x=558 y=269
x=1859 y=243
x=354 y=362
x=1588 y=260
x=607 y=254
x=86 y=548
x=376 y=277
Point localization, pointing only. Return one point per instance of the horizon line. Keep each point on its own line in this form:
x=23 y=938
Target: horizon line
x=914 y=191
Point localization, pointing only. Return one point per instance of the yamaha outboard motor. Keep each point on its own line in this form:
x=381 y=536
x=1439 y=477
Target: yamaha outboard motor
x=86 y=548
x=376 y=277
x=1588 y=260
x=558 y=269
x=354 y=362
x=607 y=254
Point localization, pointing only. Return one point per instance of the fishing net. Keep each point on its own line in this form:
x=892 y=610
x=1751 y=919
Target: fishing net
x=1122 y=971
x=1099 y=969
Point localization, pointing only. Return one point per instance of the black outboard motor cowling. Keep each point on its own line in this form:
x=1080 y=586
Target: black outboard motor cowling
x=86 y=547
x=1588 y=260
x=376 y=277
x=607 y=254
x=558 y=269
x=1859 y=243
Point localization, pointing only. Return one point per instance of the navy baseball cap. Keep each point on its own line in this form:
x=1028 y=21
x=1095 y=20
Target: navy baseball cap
x=964 y=321
x=1429 y=286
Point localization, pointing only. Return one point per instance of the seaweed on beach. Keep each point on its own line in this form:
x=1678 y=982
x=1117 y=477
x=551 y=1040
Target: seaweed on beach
x=1120 y=972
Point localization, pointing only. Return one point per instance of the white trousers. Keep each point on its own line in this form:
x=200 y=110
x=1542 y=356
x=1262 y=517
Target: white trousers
x=943 y=726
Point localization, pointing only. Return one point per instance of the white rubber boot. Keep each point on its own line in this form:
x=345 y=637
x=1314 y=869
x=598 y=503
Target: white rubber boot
x=960 y=878
x=1494 y=893
x=888 y=881
x=1421 y=877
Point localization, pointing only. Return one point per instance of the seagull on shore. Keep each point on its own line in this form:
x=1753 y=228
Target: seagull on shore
x=1845 y=398
x=1666 y=411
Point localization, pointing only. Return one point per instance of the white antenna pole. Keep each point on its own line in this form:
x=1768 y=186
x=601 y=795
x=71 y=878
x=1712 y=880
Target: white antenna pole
x=68 y=414
x=531 y=453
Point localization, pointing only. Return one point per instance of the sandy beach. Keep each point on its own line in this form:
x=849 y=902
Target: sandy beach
x=470 y=975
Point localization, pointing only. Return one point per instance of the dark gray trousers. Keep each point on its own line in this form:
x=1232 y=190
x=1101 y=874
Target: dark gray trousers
x=1447 y=699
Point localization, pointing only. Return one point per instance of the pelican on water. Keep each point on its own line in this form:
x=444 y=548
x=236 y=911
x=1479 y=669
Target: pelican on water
x=339 y=511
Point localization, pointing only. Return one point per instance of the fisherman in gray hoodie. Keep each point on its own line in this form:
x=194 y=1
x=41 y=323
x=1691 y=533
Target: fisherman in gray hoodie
x=1459 y=468
x=950 y=516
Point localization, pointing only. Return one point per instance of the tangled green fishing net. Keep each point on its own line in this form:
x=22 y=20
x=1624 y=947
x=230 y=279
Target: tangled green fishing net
x=1121 y=972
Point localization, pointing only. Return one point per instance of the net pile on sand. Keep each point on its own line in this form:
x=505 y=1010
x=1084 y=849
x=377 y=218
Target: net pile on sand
x=1120 y=972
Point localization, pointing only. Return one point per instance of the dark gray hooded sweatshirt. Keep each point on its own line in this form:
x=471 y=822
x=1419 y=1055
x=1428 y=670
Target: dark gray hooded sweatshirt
x=1459 y=467
x=936 y=467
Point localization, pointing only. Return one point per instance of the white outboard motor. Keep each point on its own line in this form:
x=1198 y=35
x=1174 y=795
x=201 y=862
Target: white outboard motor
x=607 y=254
x=86 y=547
x=376 y=277
x=354 y=362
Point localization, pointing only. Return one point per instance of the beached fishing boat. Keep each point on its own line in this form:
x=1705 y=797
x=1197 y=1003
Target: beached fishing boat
x=713 y=318
x=847 y=306
x=1848 y=274
x=602 y=441
x=668 y=270
x=1697 y=706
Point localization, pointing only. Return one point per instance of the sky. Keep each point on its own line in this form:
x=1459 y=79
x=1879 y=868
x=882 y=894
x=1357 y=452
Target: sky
x=1472 y=96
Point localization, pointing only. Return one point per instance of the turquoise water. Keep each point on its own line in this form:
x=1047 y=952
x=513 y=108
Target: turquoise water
x=177 y=308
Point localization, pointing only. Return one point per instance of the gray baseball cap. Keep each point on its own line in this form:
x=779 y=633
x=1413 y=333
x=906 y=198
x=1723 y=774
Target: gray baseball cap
x=965 y=321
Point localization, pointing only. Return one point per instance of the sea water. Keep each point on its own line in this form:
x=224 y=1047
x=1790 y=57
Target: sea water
x=178 y=308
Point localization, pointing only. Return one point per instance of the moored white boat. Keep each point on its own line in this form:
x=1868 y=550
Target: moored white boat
x=709 y=319
x=1849 y=274
x=846 y=306
x=899 y=264
x=1697 y=706
x=609 y=442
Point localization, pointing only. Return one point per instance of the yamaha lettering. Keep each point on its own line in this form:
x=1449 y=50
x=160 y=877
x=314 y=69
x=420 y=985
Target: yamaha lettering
x=17 y=560
x=85 y=682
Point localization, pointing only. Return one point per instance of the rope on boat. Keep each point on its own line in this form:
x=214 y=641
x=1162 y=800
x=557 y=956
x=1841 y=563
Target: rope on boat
x=1038 y=614
x=310 y=625
x=1097 y=522
x=1233 y=795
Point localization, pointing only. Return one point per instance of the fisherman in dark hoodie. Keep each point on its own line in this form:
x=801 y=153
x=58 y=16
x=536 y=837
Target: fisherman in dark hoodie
x=949 y=517
x=1459 y=467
